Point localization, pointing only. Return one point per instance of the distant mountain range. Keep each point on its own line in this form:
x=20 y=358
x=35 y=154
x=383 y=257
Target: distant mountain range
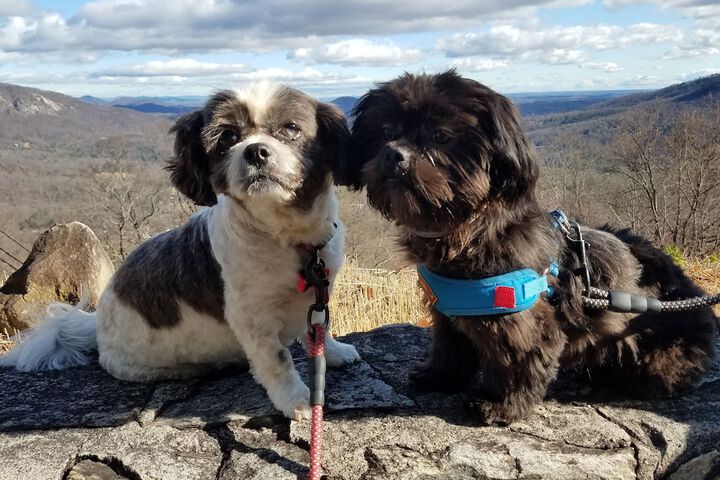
x=528 y=103
x=165 y=106
x=598 y=119
x=33 y=118
x=38 y=117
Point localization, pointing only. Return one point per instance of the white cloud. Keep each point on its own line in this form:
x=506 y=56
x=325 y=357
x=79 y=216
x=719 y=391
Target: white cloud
x=560 y=56
x=693 y=8
x=181 y=67
x=317 y=17
x=357 y=51
x=560 y=44
x=10 y=8
x=251 y=25
x=698 y=74
x=212 y=75
x=642 y=81
x=699 y=43
x=479 y=64
x=306 y=75
x=609 y=67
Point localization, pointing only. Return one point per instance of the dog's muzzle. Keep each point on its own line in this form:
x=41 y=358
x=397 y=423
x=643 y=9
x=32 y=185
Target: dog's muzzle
x=258 y=154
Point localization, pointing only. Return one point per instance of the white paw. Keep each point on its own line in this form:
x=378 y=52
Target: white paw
x=338 y=354
x=302 y=411
x=294 y=402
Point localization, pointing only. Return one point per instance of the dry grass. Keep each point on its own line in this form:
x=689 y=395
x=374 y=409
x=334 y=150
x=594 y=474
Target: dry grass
x=366 y=298
x=707 y=274
x=5 y=342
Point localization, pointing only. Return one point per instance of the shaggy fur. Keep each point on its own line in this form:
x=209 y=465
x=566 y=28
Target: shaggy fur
x=222 y=287
x=445 y=158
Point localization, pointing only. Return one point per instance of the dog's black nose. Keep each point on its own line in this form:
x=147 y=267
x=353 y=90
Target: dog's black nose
x=393 y=156
x=396 y=160
x=257 y=154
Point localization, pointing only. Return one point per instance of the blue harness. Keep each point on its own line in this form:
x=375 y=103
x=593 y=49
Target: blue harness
x=508 y=293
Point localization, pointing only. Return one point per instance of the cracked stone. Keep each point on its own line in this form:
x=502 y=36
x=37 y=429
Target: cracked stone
x=259 y=455
x=580 y=426
x=156 y=452
x=488 y=452
x=705 y=466
x=92 y=470
x=82 y=396
x=164 y=395
x=486 y=459
x=39 y=455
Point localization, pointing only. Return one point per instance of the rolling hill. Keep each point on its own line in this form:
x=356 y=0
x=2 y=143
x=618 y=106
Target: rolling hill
x=596 y=120
x=34 y=118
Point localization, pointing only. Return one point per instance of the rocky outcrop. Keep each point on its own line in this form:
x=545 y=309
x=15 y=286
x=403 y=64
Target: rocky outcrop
x=82 y=424
x=64 y=260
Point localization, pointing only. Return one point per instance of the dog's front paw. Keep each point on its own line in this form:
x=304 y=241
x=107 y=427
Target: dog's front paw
x=338 y=354
x=293 y=401
x=496 y=413
x=301 y=411
x=296 y=408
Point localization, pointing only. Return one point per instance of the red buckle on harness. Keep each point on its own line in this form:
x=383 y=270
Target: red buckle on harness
x=303 y=285
x=504 y=297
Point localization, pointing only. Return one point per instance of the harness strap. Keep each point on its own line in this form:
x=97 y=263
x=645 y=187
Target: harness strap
x=499 y=295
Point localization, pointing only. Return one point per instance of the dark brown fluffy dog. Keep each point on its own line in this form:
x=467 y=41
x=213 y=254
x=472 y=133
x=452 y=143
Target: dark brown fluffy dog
x=445 y=158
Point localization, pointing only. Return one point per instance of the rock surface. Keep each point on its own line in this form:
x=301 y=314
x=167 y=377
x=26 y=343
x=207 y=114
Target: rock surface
x=64 y=260
x=82 y=424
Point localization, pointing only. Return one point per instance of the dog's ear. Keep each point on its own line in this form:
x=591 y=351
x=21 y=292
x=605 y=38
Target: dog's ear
x=190 y=167
x=364 y=140
x=334 y=134
x=512 y=167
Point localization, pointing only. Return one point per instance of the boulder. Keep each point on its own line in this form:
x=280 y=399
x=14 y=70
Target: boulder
x=65 y=260
x=83 y=424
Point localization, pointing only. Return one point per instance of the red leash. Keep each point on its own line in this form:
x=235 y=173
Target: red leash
x=316 y=275
x=316 y=352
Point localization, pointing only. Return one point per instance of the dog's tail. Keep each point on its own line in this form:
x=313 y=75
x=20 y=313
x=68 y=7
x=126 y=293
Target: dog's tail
x=65 y=338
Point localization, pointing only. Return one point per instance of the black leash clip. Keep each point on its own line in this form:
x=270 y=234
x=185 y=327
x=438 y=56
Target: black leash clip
x=577 y=243
x=316 y=276
x=580 y=246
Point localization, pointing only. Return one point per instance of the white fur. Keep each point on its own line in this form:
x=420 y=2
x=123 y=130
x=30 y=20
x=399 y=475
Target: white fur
x=66 y=338
x=258 y=97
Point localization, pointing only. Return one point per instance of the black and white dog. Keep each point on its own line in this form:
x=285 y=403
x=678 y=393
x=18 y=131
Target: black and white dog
x=222 y=288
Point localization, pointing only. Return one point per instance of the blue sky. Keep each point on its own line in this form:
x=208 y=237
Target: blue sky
x=114 y=48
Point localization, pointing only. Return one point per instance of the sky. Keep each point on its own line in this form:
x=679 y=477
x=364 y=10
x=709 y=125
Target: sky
x=111 y=48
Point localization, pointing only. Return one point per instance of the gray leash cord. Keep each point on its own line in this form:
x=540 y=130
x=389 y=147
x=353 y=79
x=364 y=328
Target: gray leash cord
x=624 y=302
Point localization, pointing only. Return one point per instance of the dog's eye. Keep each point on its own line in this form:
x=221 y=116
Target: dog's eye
x=227 y=139
x=291 y=130
x=388 y=133
x=441 y=136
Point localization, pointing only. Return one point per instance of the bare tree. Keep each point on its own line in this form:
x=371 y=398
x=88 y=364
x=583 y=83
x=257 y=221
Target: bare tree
x=127 y=196
x=571 y=178
x=670 y=163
